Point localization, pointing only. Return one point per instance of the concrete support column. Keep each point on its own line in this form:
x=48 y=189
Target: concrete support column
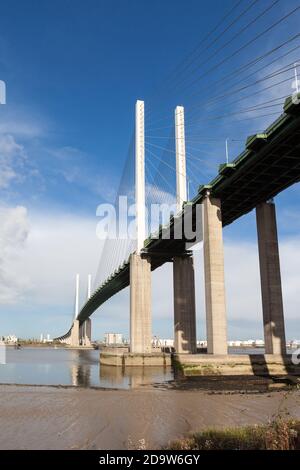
x=271 y=292
x=87 y=332
x=184 y=305
x=216 y=324
x=75 y=336
x=81 y=334
x=140 y=304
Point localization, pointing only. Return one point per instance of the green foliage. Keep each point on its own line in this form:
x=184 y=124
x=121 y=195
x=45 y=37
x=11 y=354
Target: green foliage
x=279 y=434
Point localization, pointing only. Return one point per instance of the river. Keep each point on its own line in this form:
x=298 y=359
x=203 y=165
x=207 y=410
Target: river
x=74 y=367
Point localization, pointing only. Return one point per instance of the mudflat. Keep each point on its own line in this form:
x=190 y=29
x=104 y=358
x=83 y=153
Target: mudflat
x=77 y=418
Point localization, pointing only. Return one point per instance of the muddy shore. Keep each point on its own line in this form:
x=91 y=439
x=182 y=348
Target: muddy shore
x=68 y=418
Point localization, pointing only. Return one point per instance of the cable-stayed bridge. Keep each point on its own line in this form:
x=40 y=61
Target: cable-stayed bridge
x=269 y=164
x=166 y=169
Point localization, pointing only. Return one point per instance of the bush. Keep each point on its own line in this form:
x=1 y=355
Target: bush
x=280 y=434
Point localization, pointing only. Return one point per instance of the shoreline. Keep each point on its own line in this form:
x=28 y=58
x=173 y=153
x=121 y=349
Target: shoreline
x=58 y=417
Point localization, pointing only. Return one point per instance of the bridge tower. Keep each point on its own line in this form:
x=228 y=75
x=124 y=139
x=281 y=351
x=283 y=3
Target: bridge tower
x=140 y=265
x=74 y=339
x=181 y=193
x=183 y=266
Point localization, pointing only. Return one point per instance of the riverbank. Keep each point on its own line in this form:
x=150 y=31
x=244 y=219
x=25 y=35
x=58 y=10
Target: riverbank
x=279 y=434
x=147 y=417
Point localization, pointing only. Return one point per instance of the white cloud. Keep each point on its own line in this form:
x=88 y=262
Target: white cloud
x=243 y=279
x=12 y=157
x=13 y=235
x=74 y=165
x=15 y=166
x=20 y=129
x=6 y=176
x=58 y=247
x=68 y=153
x=39 y=261
x=21 y=123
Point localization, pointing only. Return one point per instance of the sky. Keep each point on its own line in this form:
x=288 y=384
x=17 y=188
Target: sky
x=73 y=71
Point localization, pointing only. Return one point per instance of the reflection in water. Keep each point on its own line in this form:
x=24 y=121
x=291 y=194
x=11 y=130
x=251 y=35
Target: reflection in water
x=81 y=375
x=79 y=368
x=113 y=375
x=134 y=376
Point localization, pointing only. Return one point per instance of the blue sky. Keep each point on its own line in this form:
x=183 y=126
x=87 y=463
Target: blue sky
x=73 y=72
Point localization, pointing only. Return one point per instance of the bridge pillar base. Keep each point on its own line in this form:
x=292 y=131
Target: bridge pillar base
x=140 y=305
x=121 y=357
x=273 y=317
x=216 y=324
x=184 y=305
x=74 y=338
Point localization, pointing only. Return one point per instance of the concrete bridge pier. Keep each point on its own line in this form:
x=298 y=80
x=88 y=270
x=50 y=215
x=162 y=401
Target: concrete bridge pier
x=184 y=305
x=74 y=339
x=85 y=333
x=140 y=304
x=216 y=324
x=273 y=317
x=140 y=353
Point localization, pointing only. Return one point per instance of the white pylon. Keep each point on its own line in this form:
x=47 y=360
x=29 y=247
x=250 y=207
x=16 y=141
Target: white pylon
x=140 y=174
x=76 y=297
x=181 y=191
x=89 y=288
x=227 y=151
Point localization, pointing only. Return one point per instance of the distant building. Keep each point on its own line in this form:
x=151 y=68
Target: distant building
x=113 y=338
x=10 y=339
x=249 y=343
x=294 y=344
x=235 y=344
x=162 y=342
x=45 y=339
